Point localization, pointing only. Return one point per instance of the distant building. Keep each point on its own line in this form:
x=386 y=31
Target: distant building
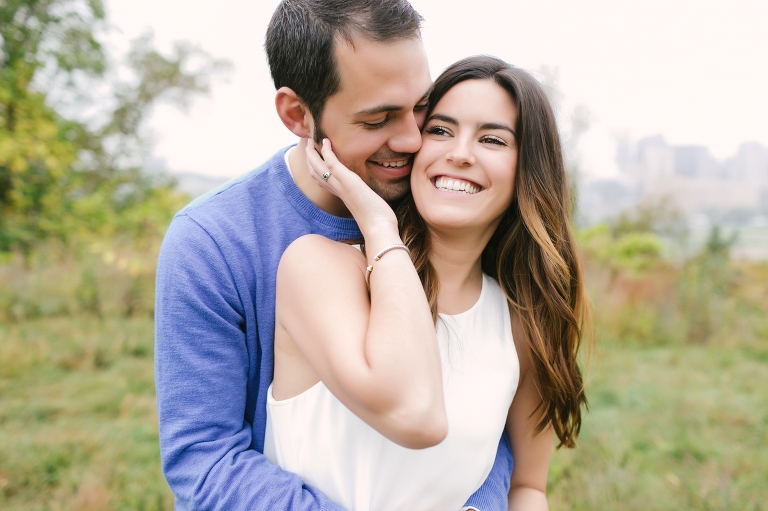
x=694 y=179
x=694 y=162
x=750 y=164
x=732 y=193
x=699 y=184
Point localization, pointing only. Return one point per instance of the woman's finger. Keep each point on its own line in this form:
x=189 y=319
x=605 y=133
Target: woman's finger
x=316 y=164
x=328 y=155
x=319 y=170
x=315 y=161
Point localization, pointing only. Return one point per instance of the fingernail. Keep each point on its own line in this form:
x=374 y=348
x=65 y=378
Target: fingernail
x=325 y=140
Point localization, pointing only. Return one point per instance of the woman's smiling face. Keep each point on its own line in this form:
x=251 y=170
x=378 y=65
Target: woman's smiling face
x=463 y=175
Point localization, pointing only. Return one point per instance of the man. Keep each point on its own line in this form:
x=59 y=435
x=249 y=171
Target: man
x=354 y=71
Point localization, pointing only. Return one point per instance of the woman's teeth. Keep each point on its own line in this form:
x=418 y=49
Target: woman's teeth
x=455 y=185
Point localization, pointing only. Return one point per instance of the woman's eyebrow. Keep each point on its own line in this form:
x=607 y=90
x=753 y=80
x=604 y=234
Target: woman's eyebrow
x=444 y=118
x=495 y=126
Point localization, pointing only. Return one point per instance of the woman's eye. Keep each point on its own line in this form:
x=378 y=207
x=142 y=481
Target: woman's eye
x=488 y=139
x=437 y=130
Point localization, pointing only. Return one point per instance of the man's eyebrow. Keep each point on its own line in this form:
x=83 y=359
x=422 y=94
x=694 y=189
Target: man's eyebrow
x=379 y=110
x=444 y=118
x=388 y=108
x=496 y=126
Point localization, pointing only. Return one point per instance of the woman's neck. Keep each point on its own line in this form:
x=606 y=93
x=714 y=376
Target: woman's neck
x=456 y=259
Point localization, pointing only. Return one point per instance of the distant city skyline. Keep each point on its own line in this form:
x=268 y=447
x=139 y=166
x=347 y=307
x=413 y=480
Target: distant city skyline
x=694 y=72
x=733 y=190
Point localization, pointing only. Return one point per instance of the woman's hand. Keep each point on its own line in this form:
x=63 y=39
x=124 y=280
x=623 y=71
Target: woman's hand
x=369 y=210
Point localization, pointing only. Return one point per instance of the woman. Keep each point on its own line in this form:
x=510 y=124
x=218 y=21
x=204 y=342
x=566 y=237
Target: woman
x=372 y=405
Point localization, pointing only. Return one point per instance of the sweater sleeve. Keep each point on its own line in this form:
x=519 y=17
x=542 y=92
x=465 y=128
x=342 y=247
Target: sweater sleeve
x=493 y=494
x=201 y=372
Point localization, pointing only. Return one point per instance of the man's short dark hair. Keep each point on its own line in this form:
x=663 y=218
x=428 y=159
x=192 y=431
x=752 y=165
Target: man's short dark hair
x=301 y=34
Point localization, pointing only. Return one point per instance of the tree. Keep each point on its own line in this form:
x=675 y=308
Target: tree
x=61 y=174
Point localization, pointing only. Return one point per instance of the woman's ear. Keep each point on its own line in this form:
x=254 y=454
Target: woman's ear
x=293 y=112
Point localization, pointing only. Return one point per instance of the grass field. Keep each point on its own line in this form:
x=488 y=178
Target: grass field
x=78 y=425
x=670 y=427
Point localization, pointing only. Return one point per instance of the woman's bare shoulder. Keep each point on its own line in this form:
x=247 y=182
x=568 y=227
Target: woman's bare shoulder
x=315 y=254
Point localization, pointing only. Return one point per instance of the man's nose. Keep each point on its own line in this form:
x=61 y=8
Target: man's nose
x=408 y=138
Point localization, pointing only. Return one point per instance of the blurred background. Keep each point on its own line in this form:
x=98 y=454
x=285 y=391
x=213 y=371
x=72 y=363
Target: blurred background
x=114 y=114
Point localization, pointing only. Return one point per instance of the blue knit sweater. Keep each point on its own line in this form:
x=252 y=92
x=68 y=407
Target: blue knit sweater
x=214 y=346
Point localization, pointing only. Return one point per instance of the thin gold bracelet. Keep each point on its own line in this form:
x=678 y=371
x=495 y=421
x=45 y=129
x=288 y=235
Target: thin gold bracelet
x=369 y=269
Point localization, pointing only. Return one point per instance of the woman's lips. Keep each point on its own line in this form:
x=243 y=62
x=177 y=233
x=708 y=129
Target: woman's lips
x=456 y=185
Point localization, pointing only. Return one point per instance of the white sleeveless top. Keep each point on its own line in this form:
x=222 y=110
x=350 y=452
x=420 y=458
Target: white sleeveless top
x=315 y=436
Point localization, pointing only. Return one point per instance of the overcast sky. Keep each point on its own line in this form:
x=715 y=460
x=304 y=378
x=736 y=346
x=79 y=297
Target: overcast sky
x=695 y=71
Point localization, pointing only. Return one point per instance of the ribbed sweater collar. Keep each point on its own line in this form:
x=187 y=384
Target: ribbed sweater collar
x=345 y=228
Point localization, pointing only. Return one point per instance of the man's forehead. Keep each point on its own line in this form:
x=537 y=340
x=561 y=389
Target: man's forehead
x=382 y=76
x=356 y=47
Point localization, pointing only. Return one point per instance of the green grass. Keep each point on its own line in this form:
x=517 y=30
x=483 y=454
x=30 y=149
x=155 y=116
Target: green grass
x=670 y=427
x=78 y=422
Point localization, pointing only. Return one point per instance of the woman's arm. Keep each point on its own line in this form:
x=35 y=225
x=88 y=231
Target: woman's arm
x=379 y=357
x=528 y=489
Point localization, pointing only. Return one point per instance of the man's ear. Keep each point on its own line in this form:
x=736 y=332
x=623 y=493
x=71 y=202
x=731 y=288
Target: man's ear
x=293 y=112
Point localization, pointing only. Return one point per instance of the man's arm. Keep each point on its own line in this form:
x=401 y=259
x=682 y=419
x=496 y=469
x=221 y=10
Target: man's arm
x=492 y=495
x=201 y=368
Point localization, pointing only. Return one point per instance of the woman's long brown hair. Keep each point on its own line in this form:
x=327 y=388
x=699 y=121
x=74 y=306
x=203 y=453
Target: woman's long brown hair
x=532 y=254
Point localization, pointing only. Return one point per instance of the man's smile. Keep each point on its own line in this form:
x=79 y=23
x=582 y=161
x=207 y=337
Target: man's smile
x=395 y=168
x=392 y=164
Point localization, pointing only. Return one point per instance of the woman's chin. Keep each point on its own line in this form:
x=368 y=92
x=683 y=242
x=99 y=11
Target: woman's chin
x=453 y=221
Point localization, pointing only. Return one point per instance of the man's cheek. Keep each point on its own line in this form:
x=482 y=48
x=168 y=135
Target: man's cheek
x=420 y=117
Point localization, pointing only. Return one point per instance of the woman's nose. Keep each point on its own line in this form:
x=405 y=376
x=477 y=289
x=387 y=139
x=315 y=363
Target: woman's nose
x=461 y=154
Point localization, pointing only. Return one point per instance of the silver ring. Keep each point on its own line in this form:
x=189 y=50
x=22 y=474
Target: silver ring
x=326 y=175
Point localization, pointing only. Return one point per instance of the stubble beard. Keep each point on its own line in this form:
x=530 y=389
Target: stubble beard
x=389 y=190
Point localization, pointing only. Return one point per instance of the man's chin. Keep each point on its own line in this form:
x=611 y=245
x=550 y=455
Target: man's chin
x=391 y=190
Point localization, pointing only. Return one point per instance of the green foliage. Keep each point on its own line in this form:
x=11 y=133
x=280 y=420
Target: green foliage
x=100 y=277
x=35 y=158
x=646 y=291
x=37 y=149
x=87 y=292
x=707 y=282
x=638 y=240
x=65 y=177
x=631 y=251
x=80 y=221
